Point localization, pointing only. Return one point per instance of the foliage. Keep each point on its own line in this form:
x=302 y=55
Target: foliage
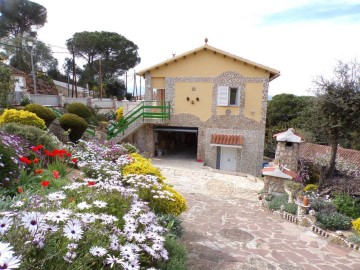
x=6 y=85
x=276 y=202
x=347 y=205
x=304 y=171
x=355 y=238
x=356 y=225
x=177 y=255
x=79 y=109
x=20 y=16
x=172 y=223
x=311 y=187
x=175 y=206
x=8 y=168
x=25 y=101
x=288 y=110
x=33 y=135
x=323 y=205
x=337 y=105
x=117 y=54
x=296 y=187
x=120 y=114
x=43 y=112
x=130 y=148
x=75 y=124
x=333 y=221
x=21 y=117
x=141 y=166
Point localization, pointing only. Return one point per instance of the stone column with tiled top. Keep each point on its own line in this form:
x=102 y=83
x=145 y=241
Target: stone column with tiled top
x=287 y=149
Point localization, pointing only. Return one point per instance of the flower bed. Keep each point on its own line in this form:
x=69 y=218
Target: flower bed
x=101 y=220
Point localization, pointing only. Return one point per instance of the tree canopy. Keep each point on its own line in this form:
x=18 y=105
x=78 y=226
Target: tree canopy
x=21 y=16
x=337 y=105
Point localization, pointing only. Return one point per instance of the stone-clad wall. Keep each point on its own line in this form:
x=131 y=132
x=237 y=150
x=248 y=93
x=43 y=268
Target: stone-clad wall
x=251 y=155
x=287 y=155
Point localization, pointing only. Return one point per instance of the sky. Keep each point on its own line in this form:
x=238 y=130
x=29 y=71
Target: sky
x=303 y=39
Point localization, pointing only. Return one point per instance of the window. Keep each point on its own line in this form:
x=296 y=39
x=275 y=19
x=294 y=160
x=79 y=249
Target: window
x=228 y=96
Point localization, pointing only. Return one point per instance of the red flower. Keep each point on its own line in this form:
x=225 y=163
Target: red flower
x=56 y=174
x=91 y=183
x=36 y=160
x=68 y=154
x=25 y=160
x=71 y=199
x=37 y=148
x=38 y=171
x=20 y=190
x=45 y=183
x=74 y=160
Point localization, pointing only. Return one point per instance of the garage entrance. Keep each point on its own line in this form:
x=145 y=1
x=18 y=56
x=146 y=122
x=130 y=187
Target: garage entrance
x=176 y=142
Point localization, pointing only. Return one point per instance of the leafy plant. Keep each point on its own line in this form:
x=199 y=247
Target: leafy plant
x=43 y=112
x=9 y=170
x=76 y=124
x=323 y=206
x=276 y=202
x=356 y=225
x=172 y=223
x=177 y=255
x=130 y=148
x=22 y=117
x=79 y=109
x=333 y=221
x=347 y=205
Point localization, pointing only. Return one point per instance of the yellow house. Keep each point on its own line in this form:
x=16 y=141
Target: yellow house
x=217 y=109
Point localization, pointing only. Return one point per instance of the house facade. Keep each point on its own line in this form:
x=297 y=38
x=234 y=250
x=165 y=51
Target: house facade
x=217 y=108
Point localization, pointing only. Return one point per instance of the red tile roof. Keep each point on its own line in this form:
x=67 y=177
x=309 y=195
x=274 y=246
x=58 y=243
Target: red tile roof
x=311 y=151
x=227 y=139
x=282 y=169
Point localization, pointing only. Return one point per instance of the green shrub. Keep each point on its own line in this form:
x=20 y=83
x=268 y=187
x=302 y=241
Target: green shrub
x=333 y=221
x=9 y=170
x=43 y=112
x=76 y=124
x=79 y=109
x=33 y=135
x=172 y=223
x=320 y=205
x=354 y=238
x=22 y=117
x=276 y=201
x=177 y=255
x=311 y=187
x=130 y=148
x=347 y=205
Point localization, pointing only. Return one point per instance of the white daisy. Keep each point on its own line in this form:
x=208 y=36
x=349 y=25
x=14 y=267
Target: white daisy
x=83 y=205
x=18 y=204
x=73 y=231
x=72 y=246
x=5 y=224
x=33 y=221
x=56 y=196
x=10 y=262
x=5 y=251
x=51 y=228
x=100 y=204
x=98 y=251
x=58 y=216
x=111 y=260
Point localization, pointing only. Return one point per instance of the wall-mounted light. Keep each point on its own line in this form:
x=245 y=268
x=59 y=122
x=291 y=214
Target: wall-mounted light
x=187 y=98
x=197 y=99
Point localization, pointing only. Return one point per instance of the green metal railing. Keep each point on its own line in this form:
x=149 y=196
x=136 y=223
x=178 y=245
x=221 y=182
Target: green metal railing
x=145 y=110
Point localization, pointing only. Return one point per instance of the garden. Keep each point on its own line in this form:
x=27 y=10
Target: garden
x=83 y=205
x=329 y=211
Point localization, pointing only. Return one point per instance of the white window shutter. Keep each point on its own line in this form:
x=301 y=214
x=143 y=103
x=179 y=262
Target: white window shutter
x=223 y=96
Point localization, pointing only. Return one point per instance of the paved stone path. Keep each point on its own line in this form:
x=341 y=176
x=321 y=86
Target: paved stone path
x=226 y=228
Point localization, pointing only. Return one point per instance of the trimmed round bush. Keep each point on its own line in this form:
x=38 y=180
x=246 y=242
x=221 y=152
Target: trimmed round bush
x=75 y=123
x=33 y=135
x=347 y=205
x=79 y=109
x=22 y=117
x=119 y=114
x=43 y=112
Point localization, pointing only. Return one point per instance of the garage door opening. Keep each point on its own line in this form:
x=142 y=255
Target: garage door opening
x=176 y=142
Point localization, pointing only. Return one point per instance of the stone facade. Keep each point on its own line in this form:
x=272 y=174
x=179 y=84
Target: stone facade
x=275 y=184
x=250 y=157
x=287 y=154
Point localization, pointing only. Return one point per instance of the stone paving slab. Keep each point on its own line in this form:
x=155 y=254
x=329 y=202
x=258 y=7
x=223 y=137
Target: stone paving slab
x=226 y=228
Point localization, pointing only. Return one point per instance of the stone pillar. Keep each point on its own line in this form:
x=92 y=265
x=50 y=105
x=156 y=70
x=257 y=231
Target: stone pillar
x=287 y=154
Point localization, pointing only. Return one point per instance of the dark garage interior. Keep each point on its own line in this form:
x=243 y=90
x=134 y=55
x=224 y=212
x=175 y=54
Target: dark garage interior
x=176 y=142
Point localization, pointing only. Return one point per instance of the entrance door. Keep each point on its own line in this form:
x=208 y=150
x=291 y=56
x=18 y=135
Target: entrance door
x=228 y=159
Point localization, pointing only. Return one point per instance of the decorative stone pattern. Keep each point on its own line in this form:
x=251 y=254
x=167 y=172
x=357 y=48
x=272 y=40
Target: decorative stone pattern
x=287 y=155
x=250 y=156
x=275 y=184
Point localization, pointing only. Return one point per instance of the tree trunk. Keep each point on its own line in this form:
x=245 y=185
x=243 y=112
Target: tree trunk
x=334 y=147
